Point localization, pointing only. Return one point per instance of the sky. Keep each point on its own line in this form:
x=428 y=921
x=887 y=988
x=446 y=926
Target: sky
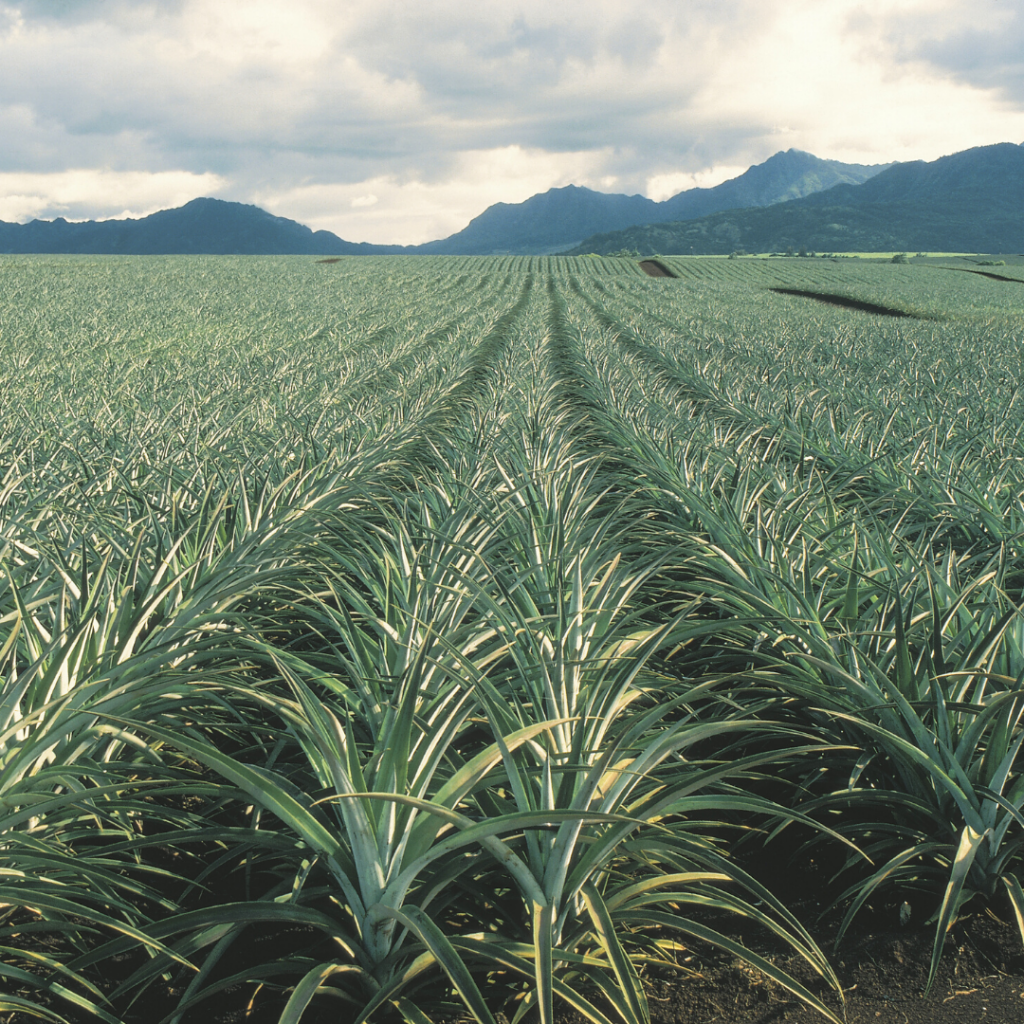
x=397 y=121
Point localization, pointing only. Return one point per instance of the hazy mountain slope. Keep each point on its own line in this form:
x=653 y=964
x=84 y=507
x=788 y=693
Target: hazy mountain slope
x=785 y=176
x=558 y=218
x=200 y=226
x=545 y=222
x=971 y=202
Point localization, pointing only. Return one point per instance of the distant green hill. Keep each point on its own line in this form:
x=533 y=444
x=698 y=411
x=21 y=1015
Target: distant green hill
x=544 y=223
x=558 y=218
x=972 y=201
x=201 y=226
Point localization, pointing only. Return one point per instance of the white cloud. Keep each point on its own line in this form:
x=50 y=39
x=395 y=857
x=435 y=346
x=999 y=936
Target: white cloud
x=416 y=211
x=660 y=187
x=826 y=78
x=439 y=108
x=86 y=193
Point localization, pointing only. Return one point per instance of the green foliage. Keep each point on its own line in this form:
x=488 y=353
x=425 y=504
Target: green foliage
x=460 y=614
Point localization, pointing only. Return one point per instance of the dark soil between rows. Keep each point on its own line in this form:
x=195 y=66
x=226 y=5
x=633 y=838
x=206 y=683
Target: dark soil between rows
x=981 y=978
x=980 y=981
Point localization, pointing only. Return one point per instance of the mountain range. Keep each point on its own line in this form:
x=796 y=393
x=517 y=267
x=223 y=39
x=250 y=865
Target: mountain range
x=546 y=222
x=200 y=226
x=971 y=201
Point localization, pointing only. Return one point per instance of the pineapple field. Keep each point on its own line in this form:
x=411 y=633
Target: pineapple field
x=498 y=639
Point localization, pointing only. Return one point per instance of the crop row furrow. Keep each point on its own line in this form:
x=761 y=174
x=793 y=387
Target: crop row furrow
x=573 y=383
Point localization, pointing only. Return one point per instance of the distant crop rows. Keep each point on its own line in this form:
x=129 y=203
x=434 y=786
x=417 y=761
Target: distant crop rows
x=408 y=636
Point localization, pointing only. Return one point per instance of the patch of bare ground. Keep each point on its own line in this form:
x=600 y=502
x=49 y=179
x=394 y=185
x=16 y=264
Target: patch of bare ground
x=882 y=971
x=985 y=273
x=655 y=268
x=981 y=979
x=843 y=300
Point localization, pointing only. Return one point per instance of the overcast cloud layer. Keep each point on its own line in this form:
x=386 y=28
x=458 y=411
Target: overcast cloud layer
x=390 y=121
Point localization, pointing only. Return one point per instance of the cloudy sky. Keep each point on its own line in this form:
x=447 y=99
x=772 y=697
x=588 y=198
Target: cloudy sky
x=399 y=120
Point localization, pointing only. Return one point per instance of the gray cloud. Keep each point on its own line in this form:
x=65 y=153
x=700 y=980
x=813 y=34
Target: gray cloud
x=397 y=87
x=80 y=12
x=284 y=95
x=992 y=60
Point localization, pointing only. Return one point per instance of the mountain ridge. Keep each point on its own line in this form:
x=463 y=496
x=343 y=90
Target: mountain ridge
x=203 y=226
x=967 y=201
x=544 y=223
x=971 y=201
x=535 y=226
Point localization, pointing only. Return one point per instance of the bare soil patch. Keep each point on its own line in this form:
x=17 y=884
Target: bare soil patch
x=655 y=268
x=986 y=273
x=845 y=301
x=981 y=979
x=882 y=971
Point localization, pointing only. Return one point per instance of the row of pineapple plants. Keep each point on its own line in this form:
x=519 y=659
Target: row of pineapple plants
x=479 y=687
